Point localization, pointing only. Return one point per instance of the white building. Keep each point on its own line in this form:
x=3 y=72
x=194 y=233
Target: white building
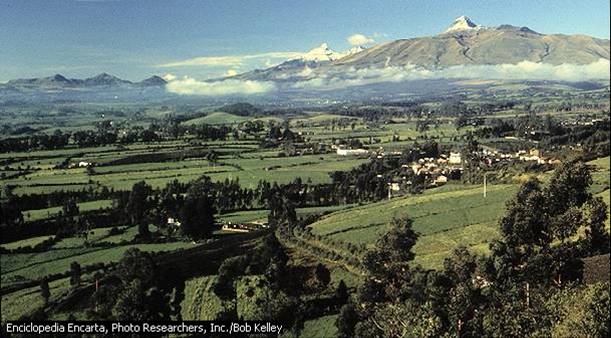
x=455 y=158
x=353 y=152
x=441 y=179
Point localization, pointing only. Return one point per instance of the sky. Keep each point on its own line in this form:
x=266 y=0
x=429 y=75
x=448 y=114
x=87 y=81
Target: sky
x=201 y=39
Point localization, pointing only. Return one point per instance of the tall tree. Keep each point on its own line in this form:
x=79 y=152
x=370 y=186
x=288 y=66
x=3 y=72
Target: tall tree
x=197 y=213
x=346 y=321
x=70 y=208
x=388 y=263
x=75 y=274
x=44 y=290
x=597 y=238
x=138 y=204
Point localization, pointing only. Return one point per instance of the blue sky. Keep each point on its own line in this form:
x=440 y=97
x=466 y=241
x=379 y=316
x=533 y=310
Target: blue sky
x=135 y=39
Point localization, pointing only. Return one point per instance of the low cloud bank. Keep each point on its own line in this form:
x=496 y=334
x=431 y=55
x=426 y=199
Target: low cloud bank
x=190 y=86
x=336 y=78
x=524 y=70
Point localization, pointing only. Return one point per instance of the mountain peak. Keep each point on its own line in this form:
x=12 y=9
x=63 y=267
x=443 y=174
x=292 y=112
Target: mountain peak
x=59 y=78
x=462 y=23
x=321 y=53
x=104 y=76
x=356 y=49
x=104 y=79
x=153 y=81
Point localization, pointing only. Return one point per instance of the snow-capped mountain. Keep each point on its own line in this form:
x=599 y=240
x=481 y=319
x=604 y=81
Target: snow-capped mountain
x=463 y=43
x=355 y=49
x=321 y=53
x=466 y=43
x=301 y=67
x=462 y=23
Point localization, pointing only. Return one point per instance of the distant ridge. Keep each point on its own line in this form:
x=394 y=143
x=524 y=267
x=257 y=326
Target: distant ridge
x=59 y=81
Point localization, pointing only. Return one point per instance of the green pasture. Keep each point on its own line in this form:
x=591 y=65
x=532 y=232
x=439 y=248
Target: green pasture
x=37 y=265
x=26 y=301
x=33 y=241
x=218 y=118
x=261 y=215
x=444 y=220
x=32 y=215
x=319 y=327
x=201 y=303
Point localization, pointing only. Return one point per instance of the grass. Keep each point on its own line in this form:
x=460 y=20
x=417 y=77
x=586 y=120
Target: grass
x=600 y=187
x=26 y=301
x=444 y=220
x=37 y=265
x=249 y=169
x=254 y=300
x=33 y=215
x=319 y=327
x=25 y=243
x=98 y=235
x=310 y=168
x=218 y=118
x=261 y=215
x=200 y=302
x=432 y=213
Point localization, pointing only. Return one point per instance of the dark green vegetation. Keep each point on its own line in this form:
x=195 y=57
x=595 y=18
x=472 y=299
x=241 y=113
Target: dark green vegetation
x=526 y=286
x=248 y=212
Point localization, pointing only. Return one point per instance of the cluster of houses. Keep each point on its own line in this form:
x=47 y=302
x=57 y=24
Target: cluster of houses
x=532 y=155
x=438 y=170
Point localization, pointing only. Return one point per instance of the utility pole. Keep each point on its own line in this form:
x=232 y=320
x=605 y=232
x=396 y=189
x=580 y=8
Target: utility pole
x=485 y=184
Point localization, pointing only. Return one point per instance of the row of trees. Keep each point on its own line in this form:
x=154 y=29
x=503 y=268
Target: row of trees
x=110 y=134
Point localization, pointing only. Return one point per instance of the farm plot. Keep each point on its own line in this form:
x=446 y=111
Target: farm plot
x=26 y=301
x=37 y=265
x=284 y=170
x=218 y=118
x=261 y=215
x=444 y=220
x=32 y=215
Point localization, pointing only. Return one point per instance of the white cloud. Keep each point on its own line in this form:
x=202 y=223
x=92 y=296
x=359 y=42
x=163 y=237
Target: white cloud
x=228 y=60
x=359 y=40
x=269 y=63
x=231 y=72
x=524 y=70
x=207 y=61
x=169 y=77
x=347 y=77
x=190 y=86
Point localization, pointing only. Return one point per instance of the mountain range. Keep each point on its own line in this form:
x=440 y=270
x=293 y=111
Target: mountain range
x=59 y=81
x=463 y=43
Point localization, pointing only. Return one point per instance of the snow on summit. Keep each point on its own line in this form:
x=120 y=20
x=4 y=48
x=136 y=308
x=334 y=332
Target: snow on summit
x=462 y=23
x=322 y=53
